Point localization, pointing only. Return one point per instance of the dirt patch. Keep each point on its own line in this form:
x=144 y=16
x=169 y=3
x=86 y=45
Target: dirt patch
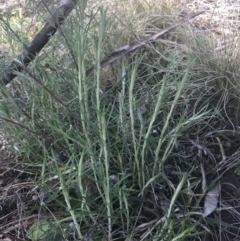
x=221 y=17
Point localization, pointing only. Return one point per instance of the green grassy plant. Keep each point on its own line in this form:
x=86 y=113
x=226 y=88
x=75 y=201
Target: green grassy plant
x=118 y=159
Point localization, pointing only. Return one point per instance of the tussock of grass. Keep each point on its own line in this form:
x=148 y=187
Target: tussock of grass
x=118 y=152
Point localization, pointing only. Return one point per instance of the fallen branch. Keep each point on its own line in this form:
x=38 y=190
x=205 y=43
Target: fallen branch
x=120 y=52
x=41 y=39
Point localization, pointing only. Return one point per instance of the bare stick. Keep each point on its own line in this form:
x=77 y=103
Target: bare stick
x=38 y=42
x=120 y=52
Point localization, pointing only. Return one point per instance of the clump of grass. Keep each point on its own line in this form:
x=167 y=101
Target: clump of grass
x=120 y=161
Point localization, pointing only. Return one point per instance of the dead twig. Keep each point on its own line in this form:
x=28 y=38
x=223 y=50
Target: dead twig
x=120 y=52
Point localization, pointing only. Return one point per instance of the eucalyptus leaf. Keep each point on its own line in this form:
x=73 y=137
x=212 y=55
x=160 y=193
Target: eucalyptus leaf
x=211 y=200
